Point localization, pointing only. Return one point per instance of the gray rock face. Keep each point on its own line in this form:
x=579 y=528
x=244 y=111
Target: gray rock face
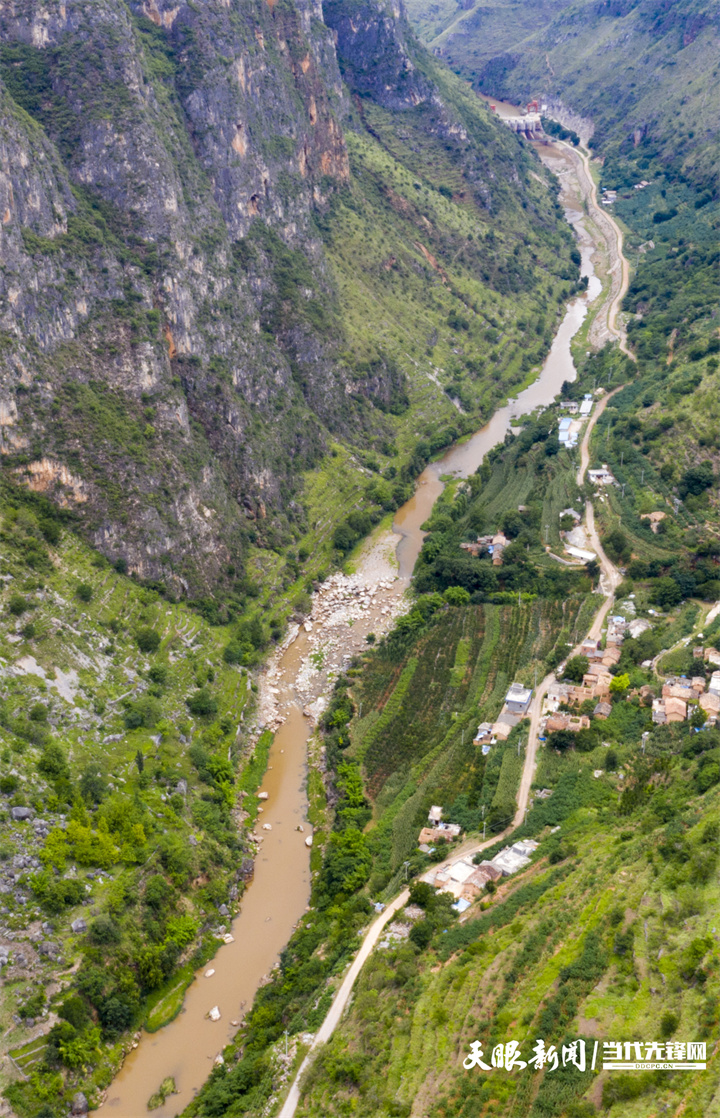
x=224 y=910
x=20 y=813
x=255 y=140
x=79 y=1105
x=79 y=925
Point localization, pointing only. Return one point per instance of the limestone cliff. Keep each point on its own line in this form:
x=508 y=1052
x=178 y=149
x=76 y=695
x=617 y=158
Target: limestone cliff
x=171 y=333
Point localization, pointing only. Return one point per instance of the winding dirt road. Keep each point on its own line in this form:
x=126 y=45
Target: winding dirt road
x=619 y=269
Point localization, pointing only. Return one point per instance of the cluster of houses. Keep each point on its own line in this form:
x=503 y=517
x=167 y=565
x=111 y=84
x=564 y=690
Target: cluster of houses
x=569 y=428
x=488 y=545
x=596 y=680
x=515 y=708
x=610 y=196
x=466 y=881
x=681 y=696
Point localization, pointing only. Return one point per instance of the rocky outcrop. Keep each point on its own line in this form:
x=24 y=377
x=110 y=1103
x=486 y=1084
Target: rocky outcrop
x=375 y=59
x=139 y=146
x=170 y=338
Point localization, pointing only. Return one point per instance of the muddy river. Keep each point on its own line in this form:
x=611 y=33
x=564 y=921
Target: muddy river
x=279 y=892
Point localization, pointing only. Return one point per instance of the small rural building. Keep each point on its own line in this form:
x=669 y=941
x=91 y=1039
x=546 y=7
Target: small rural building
x=434 y=815
x=678 y=689
x=710 y=703
x=580 y=694
x=675 y=709
x=484 y=734
x=496 y=548
x=518 y=698
x=505 y=723
x=602 y=476
x=565 y=721
x=602 y=710
x=586 y=405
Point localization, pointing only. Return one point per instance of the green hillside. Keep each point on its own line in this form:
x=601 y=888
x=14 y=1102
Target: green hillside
x=121 y=744
x=632 y=68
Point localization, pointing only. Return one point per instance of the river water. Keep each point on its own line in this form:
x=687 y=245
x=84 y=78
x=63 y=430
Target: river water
x=279 y=892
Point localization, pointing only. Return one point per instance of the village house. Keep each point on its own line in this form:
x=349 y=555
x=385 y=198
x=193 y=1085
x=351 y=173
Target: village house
x=447 y=831
x=602 y=710
x=637 y=626
x=611 y=656
x=484 y=734
x=598 y=679
x=497 y=547
x=586 y=405
x=679 y=689
x=505 y=723
x=556 y=694
x=563 y=721
x=518 y=698
x=603 y=476
x=566 y=436
x=669 y=709
x=710 y=703
x=580 y=694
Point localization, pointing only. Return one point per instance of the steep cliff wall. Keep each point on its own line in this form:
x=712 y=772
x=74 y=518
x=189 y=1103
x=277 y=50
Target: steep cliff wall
x=172 y=331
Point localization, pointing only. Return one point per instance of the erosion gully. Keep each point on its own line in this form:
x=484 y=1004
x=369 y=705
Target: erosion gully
x=279 y=892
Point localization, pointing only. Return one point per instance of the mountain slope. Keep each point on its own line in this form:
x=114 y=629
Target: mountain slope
x=633 y=68
x=177 y=350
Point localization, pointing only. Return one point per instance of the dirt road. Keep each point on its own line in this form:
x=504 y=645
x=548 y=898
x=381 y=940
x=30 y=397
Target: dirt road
x=618 y=268
x=609 y=581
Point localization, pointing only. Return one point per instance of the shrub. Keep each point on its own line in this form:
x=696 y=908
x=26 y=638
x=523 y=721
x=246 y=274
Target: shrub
x=202 y=704
x=456 y=596
x=104 y=930
x=148 y=640
x=74 y=1011
x=84 y=592
x=18 y=604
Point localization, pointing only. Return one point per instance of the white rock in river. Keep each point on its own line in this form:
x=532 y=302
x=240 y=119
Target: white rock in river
x=267 y=826
x=209 y=973
x=263 y=795
x=308 y=840
x=214 y=1014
